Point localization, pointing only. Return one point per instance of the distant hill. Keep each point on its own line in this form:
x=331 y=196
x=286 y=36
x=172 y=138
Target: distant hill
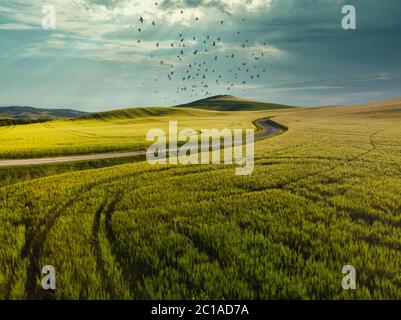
x=383 y=109
x=135 y=113
x=231 y=103
x=31 y=113
x=393 y=102
x=217 y=103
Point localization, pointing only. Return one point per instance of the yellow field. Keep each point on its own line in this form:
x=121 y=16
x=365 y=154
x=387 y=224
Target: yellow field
x=323 y=195
x=110 y=131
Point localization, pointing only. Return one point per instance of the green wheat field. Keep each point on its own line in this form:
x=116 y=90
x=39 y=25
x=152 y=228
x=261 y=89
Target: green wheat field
x=324 y=194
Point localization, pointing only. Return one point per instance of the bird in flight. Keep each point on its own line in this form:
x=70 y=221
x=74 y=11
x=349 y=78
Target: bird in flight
x=200 y=71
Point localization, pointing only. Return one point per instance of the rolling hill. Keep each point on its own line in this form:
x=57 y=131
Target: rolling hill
x=136 y=113
x=231 y=103
x=31 y=113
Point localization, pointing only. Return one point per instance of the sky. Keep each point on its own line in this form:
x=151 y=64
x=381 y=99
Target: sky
x=285 y=51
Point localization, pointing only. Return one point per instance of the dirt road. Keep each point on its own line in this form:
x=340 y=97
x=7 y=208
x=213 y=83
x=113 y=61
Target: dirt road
x=270 y=129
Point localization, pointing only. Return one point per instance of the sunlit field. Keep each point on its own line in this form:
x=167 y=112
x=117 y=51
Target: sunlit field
x=123 y=130
x=324 y=194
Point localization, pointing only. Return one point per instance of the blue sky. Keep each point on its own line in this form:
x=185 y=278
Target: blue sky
x=93 y=60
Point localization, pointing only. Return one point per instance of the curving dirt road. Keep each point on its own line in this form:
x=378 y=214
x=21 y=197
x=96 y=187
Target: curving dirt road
x=270 y=129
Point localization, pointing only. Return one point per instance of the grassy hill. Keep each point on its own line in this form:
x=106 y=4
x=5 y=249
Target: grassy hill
x=388 y=103
x=231 y=103
x=383 y=109
x=38 y=113
x=137 y=113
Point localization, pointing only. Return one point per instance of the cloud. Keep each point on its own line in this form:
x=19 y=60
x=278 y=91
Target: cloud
x=15 y=26
x=256 y=49
x=226 y=6
x=307 y=54
x=307 y=88
x=97 y=17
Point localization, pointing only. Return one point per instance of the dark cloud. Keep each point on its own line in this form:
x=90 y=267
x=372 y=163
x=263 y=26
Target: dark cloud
x=320 y=62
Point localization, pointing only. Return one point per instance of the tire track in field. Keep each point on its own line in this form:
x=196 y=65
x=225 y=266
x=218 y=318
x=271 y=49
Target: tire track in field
x=34 y=244
x=106 y=209
x=100 y=265
x=36 y=235
x=333 y=168
x=285 y=184
x=323 y=139
x=141 y=270
x=353 y=215
x=33 y=248
x=129 y=277
x=202 y=247
x=7 y=129
x=134 y=278
x=47 y=125
x=86 y=134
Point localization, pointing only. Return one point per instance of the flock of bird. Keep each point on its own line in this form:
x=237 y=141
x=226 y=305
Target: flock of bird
x=202 y=66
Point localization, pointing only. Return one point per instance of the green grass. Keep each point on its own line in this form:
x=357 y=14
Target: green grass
x=12 y=175
x=324 y=194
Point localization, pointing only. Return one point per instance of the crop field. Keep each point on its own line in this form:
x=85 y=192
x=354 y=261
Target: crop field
x=324 y=194
x=123 y=130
